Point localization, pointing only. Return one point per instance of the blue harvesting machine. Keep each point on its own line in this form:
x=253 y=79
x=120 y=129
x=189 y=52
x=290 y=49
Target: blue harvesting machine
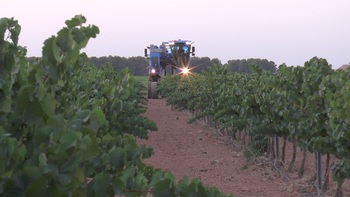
x=174 y=54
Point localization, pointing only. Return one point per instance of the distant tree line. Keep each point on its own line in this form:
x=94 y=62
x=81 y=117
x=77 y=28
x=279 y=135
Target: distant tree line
x=242 y=65
x=138 y=65
x=199 y=64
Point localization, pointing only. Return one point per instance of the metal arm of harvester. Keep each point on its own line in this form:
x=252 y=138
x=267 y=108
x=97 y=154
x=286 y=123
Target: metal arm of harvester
x=175 y=54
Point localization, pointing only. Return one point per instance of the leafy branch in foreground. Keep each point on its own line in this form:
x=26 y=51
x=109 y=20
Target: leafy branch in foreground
x=68 y=128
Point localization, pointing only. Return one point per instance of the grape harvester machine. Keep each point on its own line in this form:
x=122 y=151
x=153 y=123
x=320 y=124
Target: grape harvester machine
x=173 y=56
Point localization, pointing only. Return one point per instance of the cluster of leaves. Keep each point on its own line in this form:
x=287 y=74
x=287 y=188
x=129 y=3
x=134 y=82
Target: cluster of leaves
x=309 y=104
x=68 y=128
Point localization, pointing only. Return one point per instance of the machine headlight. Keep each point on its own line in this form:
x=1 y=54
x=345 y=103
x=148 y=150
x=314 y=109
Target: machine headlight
x=153 y=71
x=185 y=70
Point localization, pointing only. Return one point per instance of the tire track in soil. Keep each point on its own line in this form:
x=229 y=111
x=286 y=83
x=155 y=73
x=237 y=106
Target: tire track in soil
x=193 y=150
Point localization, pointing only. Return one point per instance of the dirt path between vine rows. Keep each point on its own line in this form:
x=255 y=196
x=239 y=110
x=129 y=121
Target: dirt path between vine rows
x=195 y=151
x=192 y=150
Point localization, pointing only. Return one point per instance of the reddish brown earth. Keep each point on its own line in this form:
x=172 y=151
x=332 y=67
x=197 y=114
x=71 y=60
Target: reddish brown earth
x=196 y=151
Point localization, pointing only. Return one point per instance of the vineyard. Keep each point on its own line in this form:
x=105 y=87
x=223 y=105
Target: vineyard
x=307 y=107
x=69 y=129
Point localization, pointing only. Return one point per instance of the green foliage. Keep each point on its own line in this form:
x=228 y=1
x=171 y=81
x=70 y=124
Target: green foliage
x=309 y=104
x=143 y=80
x=68 y=128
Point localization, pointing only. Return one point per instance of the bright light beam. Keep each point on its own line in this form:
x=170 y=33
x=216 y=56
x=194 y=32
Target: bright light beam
x=185 y=70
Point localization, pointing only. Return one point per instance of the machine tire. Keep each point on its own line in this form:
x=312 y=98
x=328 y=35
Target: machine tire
x=154 y=93
x=149 y=93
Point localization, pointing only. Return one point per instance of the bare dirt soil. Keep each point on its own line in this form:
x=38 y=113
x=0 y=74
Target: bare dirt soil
x=196 y=151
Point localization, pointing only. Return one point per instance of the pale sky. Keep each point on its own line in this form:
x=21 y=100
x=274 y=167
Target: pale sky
x=283 y=31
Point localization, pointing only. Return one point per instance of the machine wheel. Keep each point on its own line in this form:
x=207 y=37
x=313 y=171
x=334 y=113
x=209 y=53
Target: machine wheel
x=154 y=93
x=149 y=94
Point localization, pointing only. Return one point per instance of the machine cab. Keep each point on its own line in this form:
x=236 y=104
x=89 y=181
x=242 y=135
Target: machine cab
x=181 y=51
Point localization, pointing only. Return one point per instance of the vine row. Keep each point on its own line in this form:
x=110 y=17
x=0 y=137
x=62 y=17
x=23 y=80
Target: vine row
x=308 y=105
x=68 y=128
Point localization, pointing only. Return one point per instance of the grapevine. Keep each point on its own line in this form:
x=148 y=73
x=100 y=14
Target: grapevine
x=68 y=128
x=307 y=105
